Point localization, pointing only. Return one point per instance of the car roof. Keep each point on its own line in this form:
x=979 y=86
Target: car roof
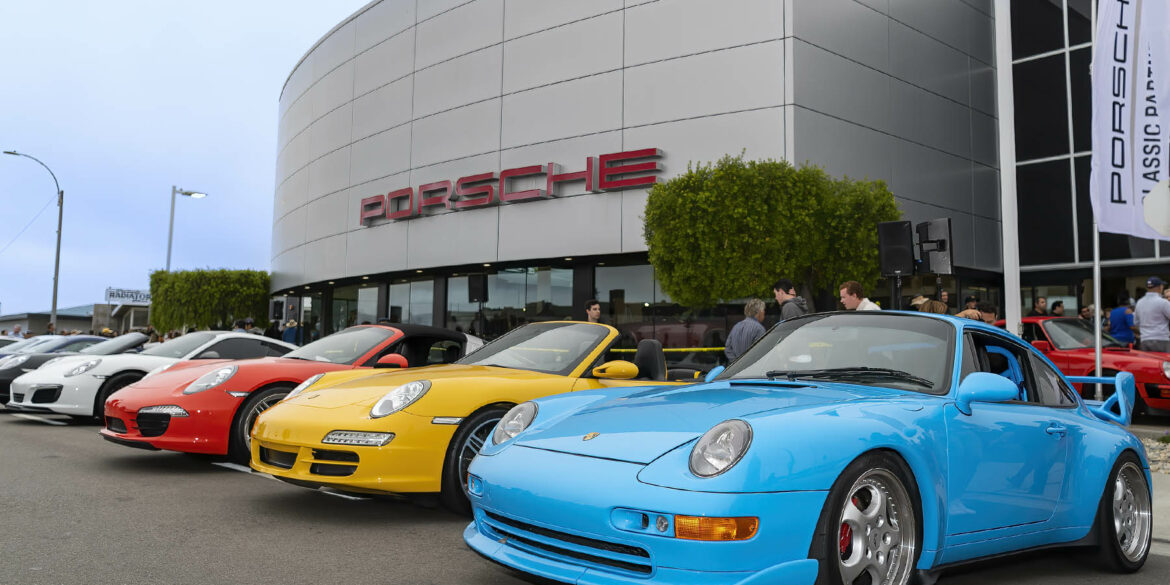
x=413 y=329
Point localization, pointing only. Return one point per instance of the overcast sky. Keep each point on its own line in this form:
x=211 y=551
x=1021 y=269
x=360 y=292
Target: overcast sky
x=122 y=100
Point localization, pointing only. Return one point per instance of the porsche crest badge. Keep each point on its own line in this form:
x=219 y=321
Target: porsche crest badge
x=590 y=436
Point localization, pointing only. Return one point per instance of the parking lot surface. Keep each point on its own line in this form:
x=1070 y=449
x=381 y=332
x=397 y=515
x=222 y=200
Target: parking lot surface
x=79 y=510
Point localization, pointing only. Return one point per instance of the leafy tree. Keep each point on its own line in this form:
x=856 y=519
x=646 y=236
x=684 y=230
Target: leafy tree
x=207 y=298
x=727 y=230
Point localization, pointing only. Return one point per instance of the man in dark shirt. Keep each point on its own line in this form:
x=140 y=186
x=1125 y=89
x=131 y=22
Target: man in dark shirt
x=1039 y=307
x=746 y=332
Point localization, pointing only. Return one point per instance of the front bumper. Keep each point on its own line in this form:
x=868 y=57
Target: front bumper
x=72 y=396
x=557 y=516
x=287 y=443
x=205 y=430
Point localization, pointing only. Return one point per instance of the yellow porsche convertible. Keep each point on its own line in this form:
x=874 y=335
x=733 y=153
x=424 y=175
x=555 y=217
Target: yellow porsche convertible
x=416 y=431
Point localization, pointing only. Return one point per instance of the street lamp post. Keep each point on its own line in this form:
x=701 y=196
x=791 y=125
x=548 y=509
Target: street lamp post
x=171 y=233
x=60 y=218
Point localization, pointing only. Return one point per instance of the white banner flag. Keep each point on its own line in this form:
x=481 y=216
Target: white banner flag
x=1131 y=91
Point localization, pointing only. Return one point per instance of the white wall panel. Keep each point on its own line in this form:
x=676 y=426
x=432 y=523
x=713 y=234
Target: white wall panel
x=929 y=64
x=842 y=148
x=582 y=106
x=380 y=155
x=323 y=258
x=458 y=133
x=384 y=63
x=291 y=194
x=460 y=81
x=633 y=212
x=333 y=90
x=925 y=174
x=295 y=120
x=430 y=8
x=327 y=216
x=522 y=17
x=845 y=27
x=672 y=28
x=700 y=85
x=298 y=81
x=331 y=131
x=758 y=134
x=841 y=88
x=384 y=108
x=465 y=29
x=289 y=231
x=329 y=173
x=382 y=248
x=928 y=119
x=288 y=269
x=382 y=21
x=296 y=155
x=454 y=238
x=334 y=50
x=574 y=50
x=561 y=227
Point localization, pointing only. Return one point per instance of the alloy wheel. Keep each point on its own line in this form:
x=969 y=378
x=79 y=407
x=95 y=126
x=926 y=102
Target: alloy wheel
x=876 y=538
x=1131 y=512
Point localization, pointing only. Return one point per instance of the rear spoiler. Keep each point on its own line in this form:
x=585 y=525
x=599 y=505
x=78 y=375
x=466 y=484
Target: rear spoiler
x=1117 y=408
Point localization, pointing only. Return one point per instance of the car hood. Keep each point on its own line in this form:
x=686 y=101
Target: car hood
x=249 y=371
x=642 y=426
x=364 y=389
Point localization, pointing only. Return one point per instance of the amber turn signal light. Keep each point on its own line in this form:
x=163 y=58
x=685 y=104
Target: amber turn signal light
x=705 y=528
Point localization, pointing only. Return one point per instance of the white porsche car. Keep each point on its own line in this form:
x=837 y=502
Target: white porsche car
x=79 y=385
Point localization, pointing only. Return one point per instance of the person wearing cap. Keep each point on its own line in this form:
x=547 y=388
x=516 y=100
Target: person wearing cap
x=917 y=302
x=970 y=302
x=290 y=332
x=1152 y=317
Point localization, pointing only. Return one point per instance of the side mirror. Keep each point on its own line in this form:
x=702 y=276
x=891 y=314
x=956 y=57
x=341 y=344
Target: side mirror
x=392 y=360
x=984 y=387
x=1043 y=346
x=714 y=372
x=616 y=370
x=210 y=354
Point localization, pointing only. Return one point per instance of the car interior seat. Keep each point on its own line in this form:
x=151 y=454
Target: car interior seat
x=1002 y=362
x=651 y=360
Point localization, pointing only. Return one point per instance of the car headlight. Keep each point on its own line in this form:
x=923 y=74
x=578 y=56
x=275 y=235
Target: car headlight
x=514 y=422
x=13 y=361
x=1166 y=369
x=158 y=370
x=303 y=386
x=720 y=448
x=210 y=379
x=83 y=367
x=399 y=398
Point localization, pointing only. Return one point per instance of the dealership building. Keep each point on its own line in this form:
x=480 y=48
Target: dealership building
x=480 y=164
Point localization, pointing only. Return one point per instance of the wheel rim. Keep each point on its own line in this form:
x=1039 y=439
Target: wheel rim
x=1131 y=512
x=471 y=446
x=253 y=412
x=876 y=539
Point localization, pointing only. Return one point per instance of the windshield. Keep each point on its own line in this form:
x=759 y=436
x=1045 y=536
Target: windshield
x=552 y=348
x=1073 y=333
x=30 y=344
x=119 y=344
x=181 y=346
x=893 y=351
x=343 y=347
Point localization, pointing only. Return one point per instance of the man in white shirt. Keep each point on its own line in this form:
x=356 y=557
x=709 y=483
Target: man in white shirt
x=1152 y=317
x=854 y=299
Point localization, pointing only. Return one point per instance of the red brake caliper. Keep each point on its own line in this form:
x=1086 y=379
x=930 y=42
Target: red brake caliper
x=845 y=539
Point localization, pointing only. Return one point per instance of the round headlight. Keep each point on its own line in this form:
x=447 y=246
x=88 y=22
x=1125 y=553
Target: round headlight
x=514 y=422
x=720 y=448
x=83 y=367
x=12 y=362
x=303 y=386
x=399 y=398
x=1166 y=369
x=210 y=379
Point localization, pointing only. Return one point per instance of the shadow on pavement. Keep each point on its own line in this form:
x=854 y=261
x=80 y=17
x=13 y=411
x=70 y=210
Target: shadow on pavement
x=155 y=462
x=318 y=507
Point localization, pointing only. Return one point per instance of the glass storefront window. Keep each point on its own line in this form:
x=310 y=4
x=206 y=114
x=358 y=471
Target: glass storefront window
x=354 y=305
x=312 y=325
x=412 y=302
x=515 y=296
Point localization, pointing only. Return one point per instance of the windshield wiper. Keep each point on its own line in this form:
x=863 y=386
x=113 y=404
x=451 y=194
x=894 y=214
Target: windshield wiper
x=852 y=373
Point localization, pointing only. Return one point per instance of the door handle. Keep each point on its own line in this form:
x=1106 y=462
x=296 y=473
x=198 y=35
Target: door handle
x=1056 y=429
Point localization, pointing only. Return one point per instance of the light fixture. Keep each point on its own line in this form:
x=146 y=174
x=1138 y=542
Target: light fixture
x=330 y=282
x=601 y=263
x=291 y=292
x=306 y=287
x=365 y=278
x=568 y=258
x=171 y=231
x=418 y=271
x=487 y=264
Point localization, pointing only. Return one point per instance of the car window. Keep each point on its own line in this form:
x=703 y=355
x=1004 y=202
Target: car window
x=180 y=346
x=234 y=348
x=274 y=350
x=1002 y=357
x=78 y=345
x=444 y=351
x=1050 y=386
x=1032 y=333
x=970 y=363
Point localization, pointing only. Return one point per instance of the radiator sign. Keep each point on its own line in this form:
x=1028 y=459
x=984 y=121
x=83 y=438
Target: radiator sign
x=608 y=172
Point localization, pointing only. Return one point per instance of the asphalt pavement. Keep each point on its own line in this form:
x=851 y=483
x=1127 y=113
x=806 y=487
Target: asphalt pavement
x=75 y=509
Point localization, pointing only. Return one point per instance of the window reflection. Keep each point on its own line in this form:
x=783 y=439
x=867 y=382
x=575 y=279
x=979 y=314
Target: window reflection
x=354 y=305
x=515 y=296
x=412 y=301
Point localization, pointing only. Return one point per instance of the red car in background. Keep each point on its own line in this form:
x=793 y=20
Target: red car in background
x=1068 y=342
x=209 y=406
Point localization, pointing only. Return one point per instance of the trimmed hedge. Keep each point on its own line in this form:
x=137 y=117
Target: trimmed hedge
x=207 y=298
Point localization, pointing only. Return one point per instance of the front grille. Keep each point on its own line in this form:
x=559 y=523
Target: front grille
x=281 y=459
x=115 y=425
x=514 y=531
x=152 y=424
x=330 y=455
x=332 y=469
x=1154 y=391
x=46 y=395
x=18 y=396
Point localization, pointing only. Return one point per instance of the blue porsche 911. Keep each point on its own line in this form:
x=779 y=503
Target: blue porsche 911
x=842 y=448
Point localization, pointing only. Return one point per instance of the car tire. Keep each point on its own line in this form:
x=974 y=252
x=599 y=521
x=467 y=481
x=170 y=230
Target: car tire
x=240 y=441
x=871 y=523
x=115 y=383
x=1124 y=522
x=468 y=440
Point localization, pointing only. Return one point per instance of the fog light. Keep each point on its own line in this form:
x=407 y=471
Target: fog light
x=474 y=485
x=357 y=438
x=170 y=409
x=703 y=528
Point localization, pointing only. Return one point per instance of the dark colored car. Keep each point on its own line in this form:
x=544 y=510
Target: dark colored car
x=19 y=364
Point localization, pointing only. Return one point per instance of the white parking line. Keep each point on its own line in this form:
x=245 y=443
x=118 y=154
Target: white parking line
x=234 y=466
x=250 y=471
x=342 y=495
x=39 y=419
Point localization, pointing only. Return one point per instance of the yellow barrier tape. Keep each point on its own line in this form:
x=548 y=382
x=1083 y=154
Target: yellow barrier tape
x=672 y=349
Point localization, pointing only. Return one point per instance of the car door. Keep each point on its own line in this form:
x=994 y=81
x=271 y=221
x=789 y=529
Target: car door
x=1007 y=462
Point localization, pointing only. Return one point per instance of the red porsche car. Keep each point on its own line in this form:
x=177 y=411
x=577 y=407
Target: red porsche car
x=209 y=406
x=1068 y=342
